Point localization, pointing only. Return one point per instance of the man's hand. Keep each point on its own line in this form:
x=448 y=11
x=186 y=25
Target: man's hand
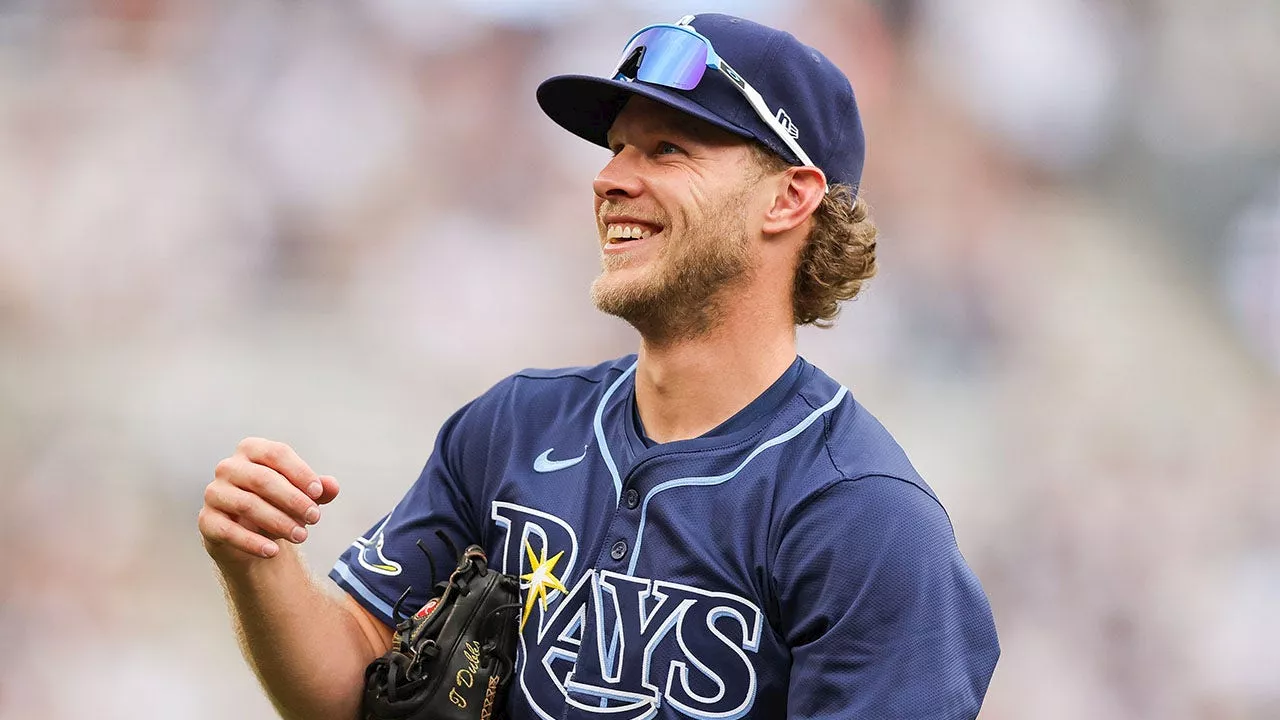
x=262 y=493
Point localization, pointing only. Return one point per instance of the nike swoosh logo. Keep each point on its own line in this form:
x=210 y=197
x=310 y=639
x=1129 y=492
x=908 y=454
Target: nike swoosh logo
x=544 y=464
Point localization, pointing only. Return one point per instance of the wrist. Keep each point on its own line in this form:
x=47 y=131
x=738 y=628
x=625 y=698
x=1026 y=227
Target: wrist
x=236 y=565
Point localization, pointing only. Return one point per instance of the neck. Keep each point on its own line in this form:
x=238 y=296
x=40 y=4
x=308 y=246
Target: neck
x=687 y=387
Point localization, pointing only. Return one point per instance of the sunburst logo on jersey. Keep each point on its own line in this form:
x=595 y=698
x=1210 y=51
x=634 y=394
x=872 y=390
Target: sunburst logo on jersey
x=540 y=577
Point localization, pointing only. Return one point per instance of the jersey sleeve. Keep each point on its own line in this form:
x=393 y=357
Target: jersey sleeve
x=386 y=561
x=883 y=615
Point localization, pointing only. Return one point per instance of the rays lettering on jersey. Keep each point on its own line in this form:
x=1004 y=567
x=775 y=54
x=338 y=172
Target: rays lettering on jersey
x=619 y=645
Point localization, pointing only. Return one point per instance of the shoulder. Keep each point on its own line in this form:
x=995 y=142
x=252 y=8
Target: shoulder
x=874 y=508
x=543 y=393
x=541 y=396
x=870 y=568
x=556 y=382
x=586 y=374
x=837 y=460
x=857 y=444
x=878 y=545
x=870 y=550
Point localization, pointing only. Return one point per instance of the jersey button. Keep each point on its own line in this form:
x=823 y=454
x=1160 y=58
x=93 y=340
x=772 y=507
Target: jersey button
x=619 y=550
x=632 y=498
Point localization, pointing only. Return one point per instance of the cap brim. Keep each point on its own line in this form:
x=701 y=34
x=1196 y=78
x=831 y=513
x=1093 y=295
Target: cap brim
x=587 y=106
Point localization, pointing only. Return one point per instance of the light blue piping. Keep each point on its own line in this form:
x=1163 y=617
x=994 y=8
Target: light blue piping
x=363 y=590
x=604 y=447
x=717 y=479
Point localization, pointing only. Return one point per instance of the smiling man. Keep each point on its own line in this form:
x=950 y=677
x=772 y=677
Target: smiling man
x=670 y=209
x=711 y=528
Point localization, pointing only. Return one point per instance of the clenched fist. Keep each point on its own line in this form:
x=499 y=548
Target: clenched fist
x=262 y=493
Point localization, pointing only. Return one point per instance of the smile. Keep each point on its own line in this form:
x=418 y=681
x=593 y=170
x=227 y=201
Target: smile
x=627 y=232
x=623 y=232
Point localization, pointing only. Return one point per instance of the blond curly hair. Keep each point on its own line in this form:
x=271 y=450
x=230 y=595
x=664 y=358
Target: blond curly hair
x=839 y=256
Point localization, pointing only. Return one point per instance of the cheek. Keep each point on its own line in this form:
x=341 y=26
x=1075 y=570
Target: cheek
x=699 y=198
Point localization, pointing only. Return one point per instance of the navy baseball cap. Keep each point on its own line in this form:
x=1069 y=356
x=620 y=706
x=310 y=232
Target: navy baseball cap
x=806 y=93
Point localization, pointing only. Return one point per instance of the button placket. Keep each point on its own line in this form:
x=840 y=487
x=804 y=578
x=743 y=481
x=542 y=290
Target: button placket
x=619 y=550
x=625 y=523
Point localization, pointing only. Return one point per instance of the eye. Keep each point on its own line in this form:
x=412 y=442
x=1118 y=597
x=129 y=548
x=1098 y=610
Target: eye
x=666 y=148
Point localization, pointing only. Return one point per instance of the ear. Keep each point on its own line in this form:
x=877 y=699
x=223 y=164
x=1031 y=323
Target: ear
x=797 y=194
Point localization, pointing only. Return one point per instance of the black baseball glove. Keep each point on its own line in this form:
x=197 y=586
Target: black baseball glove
x=453 y=659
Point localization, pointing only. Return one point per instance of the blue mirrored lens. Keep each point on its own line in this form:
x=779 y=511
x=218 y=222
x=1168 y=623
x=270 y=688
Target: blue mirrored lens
x=672 y=57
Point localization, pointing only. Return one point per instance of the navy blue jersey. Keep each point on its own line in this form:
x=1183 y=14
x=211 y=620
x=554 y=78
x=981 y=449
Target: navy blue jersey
x=790 y=563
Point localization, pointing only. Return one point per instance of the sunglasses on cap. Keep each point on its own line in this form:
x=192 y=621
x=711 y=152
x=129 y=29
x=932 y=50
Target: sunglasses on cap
x=677 y=56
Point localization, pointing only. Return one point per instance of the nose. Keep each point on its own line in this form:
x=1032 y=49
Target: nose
x=620 y=177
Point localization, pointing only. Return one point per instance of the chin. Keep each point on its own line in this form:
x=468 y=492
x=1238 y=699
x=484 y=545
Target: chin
x=620 y=291
x=609 y=288
x=624 y=275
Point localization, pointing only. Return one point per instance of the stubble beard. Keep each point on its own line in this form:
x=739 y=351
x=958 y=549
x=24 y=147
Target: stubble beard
x=682 y=295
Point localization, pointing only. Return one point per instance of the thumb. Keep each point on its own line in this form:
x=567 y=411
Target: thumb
x=330 y=491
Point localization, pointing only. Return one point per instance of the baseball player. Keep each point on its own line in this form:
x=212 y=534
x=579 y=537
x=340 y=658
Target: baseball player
x=711 y=528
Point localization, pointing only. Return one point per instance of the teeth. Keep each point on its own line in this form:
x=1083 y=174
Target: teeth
x=627 y=232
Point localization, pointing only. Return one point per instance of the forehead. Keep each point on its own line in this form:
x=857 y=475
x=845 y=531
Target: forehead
x=641 y=115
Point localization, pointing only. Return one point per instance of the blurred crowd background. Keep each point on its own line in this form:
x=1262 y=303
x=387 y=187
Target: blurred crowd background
x=332 y=223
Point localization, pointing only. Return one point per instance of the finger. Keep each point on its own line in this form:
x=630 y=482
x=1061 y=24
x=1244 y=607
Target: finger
x=282 y=459
x=330 y=484
x=251 y=510
x=218 y=529
x=269 y=485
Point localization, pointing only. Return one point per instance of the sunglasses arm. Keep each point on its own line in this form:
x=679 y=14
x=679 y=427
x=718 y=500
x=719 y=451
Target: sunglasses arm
x=762 y=109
